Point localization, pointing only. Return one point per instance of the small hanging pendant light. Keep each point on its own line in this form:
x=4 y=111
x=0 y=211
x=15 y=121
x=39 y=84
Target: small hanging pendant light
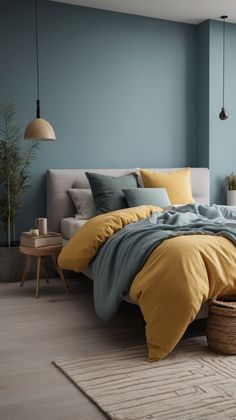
x=223 y=115
x=38 y=129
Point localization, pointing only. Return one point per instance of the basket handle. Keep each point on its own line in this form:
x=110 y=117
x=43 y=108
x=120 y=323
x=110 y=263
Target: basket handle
x=225 y=304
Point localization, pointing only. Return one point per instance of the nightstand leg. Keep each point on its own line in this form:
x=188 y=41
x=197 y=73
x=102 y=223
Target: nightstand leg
x=38 y=277
x=44 y=265
x=26 y=269
x=60 y=272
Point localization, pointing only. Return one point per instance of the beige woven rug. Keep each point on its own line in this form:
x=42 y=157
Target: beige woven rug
x=191 y=383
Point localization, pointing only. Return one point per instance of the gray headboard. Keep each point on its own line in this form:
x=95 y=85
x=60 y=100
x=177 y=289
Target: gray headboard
x=59 y=204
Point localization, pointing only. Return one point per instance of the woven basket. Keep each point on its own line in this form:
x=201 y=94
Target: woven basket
x=221 y=326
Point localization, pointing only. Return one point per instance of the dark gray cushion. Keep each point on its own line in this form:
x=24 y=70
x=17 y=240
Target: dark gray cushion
x=143 y=196
x=107 y=191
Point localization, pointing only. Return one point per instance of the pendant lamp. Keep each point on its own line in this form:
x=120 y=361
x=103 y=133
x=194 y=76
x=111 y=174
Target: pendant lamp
x=38 y=129
x=223 y=115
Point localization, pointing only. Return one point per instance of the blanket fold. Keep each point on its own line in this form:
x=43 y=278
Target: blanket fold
x=78 y=253
x=125 y=253
x=170 y=262
x=180 y=275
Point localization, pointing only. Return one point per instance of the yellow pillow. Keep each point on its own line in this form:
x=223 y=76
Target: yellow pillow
x=177 y=184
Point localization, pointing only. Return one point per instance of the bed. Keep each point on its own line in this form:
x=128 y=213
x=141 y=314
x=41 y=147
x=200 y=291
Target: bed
x=61 y=211
x=59 y=204
x=201 y=259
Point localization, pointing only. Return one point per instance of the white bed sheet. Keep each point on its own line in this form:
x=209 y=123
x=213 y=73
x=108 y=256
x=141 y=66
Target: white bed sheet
x=69 y=225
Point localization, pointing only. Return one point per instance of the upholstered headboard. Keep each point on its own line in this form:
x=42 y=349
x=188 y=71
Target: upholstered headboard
x=59 y=204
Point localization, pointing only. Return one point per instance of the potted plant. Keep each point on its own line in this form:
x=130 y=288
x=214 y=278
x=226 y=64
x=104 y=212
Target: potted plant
x=231 y=189
x=15 y=160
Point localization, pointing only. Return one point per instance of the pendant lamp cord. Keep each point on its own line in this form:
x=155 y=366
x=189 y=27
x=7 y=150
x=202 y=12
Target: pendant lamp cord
x=37 y=56
x=223 y=99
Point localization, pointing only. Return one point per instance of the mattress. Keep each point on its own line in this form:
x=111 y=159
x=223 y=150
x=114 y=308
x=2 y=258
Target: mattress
x=69 y=225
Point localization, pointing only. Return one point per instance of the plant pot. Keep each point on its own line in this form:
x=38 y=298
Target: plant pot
x=231 y=197
x=11 y=263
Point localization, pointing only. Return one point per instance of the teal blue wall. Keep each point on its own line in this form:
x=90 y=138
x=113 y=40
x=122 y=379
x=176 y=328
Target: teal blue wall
x=203 y=75
x=120 y=90
x=216 y=139
x=222 y=138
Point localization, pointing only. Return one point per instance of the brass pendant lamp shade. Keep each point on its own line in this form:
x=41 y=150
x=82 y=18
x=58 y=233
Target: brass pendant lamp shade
x=38 y=129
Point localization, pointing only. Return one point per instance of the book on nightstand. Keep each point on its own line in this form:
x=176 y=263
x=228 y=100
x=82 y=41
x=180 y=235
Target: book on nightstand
x=51 y=238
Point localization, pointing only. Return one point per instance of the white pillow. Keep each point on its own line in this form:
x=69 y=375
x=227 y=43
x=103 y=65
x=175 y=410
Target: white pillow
x=83 y=202
x=139 y=178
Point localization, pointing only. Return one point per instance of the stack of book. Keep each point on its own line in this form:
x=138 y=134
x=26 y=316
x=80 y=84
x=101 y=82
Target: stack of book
x=51 y=238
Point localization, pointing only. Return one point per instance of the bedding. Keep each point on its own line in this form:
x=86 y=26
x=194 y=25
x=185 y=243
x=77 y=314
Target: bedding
x=170 y=262
x=70 y=225
x=83 y=202
x=177 y=184
x=84 y=245
x=107 y=190
x=141 y=196
x=59 y=204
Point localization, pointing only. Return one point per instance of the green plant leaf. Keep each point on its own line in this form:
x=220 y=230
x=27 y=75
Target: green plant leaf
x=15 y=162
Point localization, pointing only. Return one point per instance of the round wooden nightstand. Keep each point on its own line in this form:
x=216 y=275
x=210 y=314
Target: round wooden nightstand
x=41 y=252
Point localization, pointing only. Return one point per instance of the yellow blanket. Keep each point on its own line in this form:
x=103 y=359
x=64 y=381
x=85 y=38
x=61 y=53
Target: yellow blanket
x=199 y=267
x=83 y=247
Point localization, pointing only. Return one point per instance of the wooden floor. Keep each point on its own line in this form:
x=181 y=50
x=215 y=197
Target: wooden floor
x=35 y=332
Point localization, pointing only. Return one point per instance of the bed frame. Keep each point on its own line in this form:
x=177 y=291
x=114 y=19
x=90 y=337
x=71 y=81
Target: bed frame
x=59 y=204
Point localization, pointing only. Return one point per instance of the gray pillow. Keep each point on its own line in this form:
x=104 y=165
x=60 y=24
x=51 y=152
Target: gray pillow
x=144 y=196
x=107 y=191
x=83 y=202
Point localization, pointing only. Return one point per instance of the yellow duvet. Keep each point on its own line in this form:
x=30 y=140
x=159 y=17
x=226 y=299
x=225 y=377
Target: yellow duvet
x=196 y=268
x=179 y=275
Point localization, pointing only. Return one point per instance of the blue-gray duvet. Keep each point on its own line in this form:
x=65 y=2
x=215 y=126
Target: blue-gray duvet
x=124 y=254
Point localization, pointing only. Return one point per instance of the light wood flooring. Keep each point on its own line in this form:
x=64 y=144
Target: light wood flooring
x=35 y=332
